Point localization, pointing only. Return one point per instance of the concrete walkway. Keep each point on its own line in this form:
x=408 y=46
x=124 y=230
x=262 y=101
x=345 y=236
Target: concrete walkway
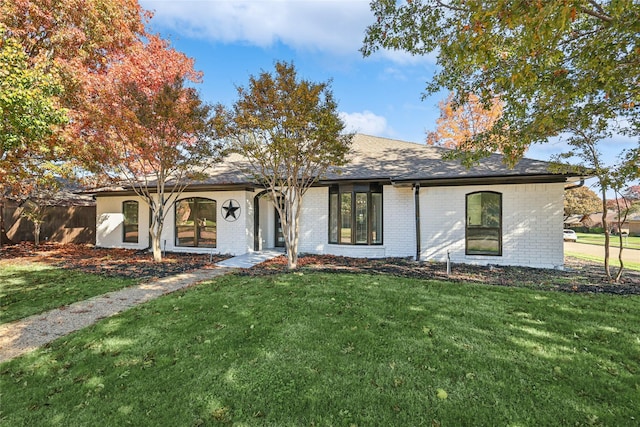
x=24 y=335
x=248 y=260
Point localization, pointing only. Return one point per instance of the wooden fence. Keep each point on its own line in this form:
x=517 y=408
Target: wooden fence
x=63 y=224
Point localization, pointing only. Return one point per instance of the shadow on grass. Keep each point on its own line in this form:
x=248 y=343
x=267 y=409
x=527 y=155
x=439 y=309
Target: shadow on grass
x=335 y=349
x=28 y=289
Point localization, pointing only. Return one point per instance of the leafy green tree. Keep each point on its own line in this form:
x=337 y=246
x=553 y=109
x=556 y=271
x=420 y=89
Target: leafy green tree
x=553 y=63
x=30 y=110
x=52 y=50
x=584 y=146
x=581 y=201
x=290 y=132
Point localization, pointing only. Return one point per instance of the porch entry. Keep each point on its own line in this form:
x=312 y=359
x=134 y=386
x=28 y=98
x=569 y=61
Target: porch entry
x=268 y=231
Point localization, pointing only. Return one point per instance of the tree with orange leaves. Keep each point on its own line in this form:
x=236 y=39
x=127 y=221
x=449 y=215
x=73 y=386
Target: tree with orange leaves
x=66 y=42
x=460 y=125
x=145 y=128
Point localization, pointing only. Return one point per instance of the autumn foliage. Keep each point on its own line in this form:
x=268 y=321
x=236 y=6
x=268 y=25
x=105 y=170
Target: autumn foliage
x=146 y=129
x=65 y=44
x=459 y=125
x=290 y=132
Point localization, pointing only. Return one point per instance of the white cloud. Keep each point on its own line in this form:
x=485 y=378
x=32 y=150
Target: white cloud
x=335 y=26
x=365 y=122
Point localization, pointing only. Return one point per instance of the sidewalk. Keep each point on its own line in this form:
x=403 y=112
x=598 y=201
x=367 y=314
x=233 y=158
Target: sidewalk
x=24 y=335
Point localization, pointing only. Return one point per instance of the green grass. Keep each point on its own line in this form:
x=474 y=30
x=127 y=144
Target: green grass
x=27 y=289
x=631 y=242
x=613 y=260
x=338 y=349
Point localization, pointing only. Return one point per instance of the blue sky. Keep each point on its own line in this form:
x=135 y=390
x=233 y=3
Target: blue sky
x=380 y=95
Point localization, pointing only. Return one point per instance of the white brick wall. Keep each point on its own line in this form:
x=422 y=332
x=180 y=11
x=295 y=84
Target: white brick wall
x=109 y=223
x=532 y=224
x=233 y=238
x=531 y=227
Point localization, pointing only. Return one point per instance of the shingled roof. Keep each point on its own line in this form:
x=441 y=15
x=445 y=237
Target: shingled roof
x=375 y=158
x=397 y=162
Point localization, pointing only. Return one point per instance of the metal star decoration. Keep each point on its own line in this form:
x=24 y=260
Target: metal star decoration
x=231 y=210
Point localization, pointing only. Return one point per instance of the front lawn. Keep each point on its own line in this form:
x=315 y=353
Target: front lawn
x=631 y=242
x=340 y=349
x=32 y=288
x=614 y=262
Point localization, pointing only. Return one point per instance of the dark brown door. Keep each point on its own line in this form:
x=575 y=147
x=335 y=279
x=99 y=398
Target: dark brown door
x=279 y=243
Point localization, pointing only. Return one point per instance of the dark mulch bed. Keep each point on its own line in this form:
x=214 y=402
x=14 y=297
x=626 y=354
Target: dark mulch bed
x=109 y=262
x=579 y=276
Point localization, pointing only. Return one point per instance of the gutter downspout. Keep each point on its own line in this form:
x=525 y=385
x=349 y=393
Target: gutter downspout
x=571 y=187
x=416 y=194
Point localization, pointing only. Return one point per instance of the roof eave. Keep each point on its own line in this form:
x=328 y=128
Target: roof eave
x=482 y=180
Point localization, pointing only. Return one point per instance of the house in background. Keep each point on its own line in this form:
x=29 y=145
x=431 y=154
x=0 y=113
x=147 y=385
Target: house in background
x=394 y=199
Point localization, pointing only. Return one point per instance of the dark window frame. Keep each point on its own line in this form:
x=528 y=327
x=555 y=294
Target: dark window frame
x=336 y=213
x=196 y=239
x=468 y=227
x=127 y=227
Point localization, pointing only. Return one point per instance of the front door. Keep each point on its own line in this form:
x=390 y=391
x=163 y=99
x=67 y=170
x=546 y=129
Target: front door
x=279 y=243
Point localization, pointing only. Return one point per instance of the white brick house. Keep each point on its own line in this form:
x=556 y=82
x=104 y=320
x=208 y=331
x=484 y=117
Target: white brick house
x=394 y=199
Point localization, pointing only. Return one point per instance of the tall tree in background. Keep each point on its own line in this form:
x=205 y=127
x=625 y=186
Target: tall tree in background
x=584 y=146
x=458 y=126
x=62 y=44
x=290 y=132
x=581 y=201
x=544 y=59
x=148 y=129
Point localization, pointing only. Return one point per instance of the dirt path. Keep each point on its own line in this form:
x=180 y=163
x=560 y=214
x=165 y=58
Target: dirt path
x=27 y=334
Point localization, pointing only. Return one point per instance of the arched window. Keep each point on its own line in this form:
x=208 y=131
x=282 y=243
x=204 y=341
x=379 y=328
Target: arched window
x=484 y=223
x=196 y=222
x=130 y=223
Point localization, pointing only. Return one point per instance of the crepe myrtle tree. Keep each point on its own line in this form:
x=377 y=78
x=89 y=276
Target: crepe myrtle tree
x=290 y=133
x=150 y=130
x=585 y=145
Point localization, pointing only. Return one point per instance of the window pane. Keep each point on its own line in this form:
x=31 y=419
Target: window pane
x=185 y=215
x=484 y=223
x=130 y=213
x=376 y=218
x=206 y=223
x=491 y=210
x=474 y=209
x=333 y=218
x=345 y=218
x=196 y=223
x=362 y=222
x=483 y=241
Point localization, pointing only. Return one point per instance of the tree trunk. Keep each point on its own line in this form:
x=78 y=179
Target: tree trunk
x=156 y=228
x=292 y=246
x=157 y=248
x=606 y=234
x=156 y=235
x=619 y=273
x=36 y=232
x=289 y=216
